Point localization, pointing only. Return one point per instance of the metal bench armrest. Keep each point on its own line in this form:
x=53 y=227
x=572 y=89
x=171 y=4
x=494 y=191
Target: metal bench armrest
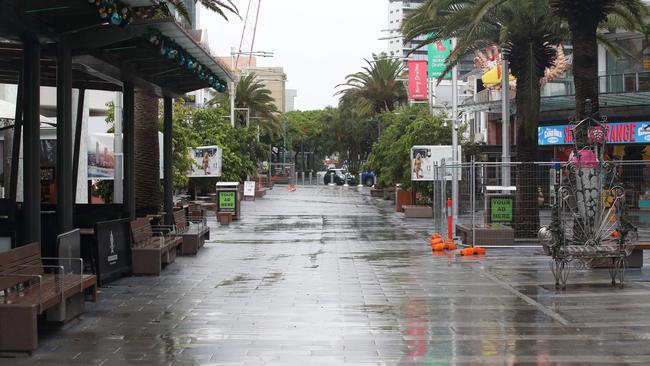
x=40 y=286
x=61 y=273
x=81 y=267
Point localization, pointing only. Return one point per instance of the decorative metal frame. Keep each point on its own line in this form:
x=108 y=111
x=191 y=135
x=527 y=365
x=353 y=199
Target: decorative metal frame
x=589 y=225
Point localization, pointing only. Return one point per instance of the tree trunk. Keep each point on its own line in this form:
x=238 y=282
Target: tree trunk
x=527 y=120
x=585 y=70
x=147 y=159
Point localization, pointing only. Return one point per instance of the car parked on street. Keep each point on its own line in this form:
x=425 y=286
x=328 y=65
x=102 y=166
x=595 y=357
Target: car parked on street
x=341 y=176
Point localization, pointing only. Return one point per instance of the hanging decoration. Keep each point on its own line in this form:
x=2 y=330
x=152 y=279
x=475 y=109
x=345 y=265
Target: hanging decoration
x=167 y=47
x=113 y=11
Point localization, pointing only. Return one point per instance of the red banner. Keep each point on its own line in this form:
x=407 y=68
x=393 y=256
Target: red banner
x=417 y=80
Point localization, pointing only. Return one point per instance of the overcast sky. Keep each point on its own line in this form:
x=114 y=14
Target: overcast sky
x=317 y=42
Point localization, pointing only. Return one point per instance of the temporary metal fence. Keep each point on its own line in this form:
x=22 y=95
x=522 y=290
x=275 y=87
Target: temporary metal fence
x=519 y=197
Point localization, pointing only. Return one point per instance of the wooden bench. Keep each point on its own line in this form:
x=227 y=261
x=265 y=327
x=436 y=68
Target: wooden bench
x=151 y=247
x=194 y=231
x=486 y=234
x=31 y=288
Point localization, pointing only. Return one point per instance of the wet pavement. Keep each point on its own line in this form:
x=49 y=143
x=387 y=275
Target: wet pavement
x=329 y=276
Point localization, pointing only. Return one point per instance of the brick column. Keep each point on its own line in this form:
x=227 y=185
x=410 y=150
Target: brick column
x=147 y=159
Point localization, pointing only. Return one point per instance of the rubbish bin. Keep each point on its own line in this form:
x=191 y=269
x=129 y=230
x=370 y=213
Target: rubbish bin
x=229 y=198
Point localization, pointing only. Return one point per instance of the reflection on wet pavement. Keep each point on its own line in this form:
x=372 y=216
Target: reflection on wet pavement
x=327 y=276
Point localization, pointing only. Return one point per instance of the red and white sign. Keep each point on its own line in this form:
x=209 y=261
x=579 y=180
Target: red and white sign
x=418 y=80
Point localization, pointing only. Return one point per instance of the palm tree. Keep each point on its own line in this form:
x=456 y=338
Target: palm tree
x=584 y=17
x=253 y=95
x=217 y=6
x=527 y=32
x=377 y=87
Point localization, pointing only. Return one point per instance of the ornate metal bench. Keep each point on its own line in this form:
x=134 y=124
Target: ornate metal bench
x=589 y=226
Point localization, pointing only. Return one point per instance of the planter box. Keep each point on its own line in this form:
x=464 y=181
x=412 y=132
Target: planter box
x=417 y=212
x=402 y=198
x=486 y=234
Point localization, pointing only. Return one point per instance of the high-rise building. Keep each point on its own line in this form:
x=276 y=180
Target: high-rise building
x=397 y=11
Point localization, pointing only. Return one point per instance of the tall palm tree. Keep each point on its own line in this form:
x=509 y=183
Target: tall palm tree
x=377 y=87
x=253 y=95
x=218 y=6
x=527 y=32
x=584 y=17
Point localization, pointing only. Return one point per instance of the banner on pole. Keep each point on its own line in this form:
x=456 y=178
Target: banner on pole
x=418 y=80
x=438 y=53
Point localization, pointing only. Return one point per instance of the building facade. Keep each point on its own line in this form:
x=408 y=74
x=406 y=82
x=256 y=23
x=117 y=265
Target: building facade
x=396 y=47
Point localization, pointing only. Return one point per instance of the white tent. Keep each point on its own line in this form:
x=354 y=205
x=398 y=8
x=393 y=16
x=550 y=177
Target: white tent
x=8 y=112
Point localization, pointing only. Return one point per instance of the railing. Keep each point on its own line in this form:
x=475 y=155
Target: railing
x=480 y=180
x=612 y=83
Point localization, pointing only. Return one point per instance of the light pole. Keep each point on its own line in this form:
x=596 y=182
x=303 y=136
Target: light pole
x=233 y=83
x=454 y=141
x=505 y=124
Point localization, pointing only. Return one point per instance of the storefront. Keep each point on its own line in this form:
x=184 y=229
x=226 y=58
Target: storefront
x=627 y=144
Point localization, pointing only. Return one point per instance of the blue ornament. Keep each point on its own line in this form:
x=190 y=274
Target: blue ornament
x=190 y=64
x=116 y=18
x=181 y=60
x=221 y=88
x=171 y=54
x=210 y=79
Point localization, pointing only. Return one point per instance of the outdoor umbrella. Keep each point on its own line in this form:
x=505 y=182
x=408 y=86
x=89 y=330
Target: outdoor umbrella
x=8 y=116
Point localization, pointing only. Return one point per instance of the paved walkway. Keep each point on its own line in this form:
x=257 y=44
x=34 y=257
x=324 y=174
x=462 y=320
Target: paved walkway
x=326 y=276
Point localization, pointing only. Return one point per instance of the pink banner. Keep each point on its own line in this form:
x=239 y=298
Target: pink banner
x=417 y=80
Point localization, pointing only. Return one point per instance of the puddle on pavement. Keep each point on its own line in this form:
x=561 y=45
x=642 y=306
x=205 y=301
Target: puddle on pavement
x=233 y=281
x=381 y=255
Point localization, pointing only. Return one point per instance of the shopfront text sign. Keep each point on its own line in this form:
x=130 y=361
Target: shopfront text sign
x=617 y=133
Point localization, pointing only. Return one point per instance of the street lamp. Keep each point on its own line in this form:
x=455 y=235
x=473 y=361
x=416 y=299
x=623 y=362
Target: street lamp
x=233 y=86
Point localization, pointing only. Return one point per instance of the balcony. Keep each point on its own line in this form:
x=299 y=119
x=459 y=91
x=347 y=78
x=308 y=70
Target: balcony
x=616 y=90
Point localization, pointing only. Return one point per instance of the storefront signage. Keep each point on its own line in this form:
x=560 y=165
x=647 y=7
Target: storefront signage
x=617 y=133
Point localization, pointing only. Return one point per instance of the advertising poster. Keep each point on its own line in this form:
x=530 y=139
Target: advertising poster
x=227 y=201
x=101 y=156
x=501 y=209
x=207 y=161
x=617 y=133
x=424 y=158
x=249 y=189
x=438 y=53
x=418 y=80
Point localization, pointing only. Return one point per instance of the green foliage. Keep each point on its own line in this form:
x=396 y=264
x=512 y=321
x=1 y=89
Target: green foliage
x=376 y=88
x=182 y=139
x=412 y=126
x=241 y=150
